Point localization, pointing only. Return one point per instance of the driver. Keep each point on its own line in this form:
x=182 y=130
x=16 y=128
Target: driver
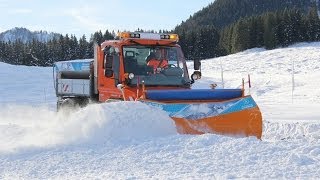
x=156 y=61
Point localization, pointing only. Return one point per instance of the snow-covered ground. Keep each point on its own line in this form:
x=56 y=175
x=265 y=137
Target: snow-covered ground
x=129 y=140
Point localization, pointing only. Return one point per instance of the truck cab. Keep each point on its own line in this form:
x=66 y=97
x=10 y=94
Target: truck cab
x=122 y=69
x=126 y=62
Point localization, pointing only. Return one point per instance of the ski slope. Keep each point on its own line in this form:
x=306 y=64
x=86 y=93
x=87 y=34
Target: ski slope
x=129 y=140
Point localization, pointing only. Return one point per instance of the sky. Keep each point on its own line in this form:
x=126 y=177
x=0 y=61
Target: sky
x=130 y=140
x=80 y=17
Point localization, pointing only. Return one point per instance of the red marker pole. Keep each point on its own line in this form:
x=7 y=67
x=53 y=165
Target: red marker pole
x=242 y=86
x=138 y=86
x=249 y=82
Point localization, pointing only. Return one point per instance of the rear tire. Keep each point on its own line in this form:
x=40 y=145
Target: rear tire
x=72 y=103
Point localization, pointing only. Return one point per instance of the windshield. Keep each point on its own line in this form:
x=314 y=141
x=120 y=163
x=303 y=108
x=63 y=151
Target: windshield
x=156 y=65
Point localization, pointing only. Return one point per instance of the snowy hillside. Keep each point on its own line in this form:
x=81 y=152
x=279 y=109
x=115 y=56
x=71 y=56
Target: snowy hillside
x=26 y=35
x=129 y=140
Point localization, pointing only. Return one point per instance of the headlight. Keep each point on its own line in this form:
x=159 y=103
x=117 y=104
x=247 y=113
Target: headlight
x=131 y=76
x=195 y=76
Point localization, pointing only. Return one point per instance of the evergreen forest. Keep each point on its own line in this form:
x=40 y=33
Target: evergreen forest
x=223 y=27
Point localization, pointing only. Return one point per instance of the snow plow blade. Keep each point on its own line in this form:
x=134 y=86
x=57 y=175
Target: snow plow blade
x=219 y=111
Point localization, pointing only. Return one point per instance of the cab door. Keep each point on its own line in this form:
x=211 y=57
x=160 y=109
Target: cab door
x=109 y=76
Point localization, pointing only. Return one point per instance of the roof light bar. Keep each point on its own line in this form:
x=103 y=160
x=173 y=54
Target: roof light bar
x=134 y=35
x=125 y=35
x=172 y=37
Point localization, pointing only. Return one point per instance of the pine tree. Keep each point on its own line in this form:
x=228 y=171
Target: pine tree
x=288 y=28
x=75 y=51
x=313 y=24
x=2 y=51
x=240 y=37
x=269 y=35
x=297 y=22
x=211 y=42
x=260 y=31
x=191 y=45
x=279 y=30
x=224 y=41
x=97 y=37
x=107 y=36
x=85 y=48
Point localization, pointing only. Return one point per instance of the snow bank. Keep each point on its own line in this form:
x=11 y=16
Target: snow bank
x=270 y=72
x=26 y=85
x=95 y=142
x=24 y=127
x=121 y=121
x=275 y=131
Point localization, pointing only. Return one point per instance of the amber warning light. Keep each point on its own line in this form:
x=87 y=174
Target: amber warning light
x=155 y=36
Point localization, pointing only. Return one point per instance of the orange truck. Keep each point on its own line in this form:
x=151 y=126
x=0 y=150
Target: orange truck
x=121 y=71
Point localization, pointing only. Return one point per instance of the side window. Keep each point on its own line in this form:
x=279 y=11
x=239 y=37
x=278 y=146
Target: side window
x=172 y=56
x=180 y=59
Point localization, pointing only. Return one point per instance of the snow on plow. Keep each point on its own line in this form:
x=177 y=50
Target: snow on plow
x=219 y=111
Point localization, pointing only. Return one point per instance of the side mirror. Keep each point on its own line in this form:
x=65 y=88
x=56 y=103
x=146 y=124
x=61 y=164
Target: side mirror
x=108 y=62
x=196 y=64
